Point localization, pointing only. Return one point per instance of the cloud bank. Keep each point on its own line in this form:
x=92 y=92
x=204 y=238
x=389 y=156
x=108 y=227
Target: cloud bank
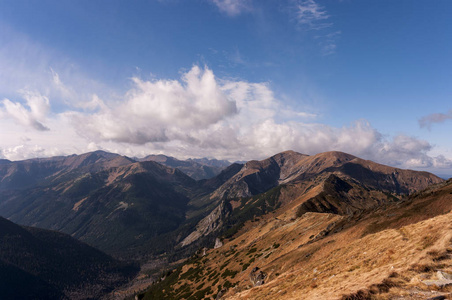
x=198 y=115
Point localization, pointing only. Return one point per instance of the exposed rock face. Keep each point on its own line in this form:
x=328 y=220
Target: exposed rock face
x=218 y=243
x=257 y=177
x=209 y=224
x=257 y=277
x=444 y=279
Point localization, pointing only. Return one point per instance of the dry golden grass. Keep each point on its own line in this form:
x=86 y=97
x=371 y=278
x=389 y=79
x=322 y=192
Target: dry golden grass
x=413 y=242
x=385 y=254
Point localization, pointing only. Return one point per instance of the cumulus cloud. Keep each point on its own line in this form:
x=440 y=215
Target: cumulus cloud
x=201 y=115
x=160 y=110
x=232 y=7
x=428 y=120
x=33 y=116
x=198 y=115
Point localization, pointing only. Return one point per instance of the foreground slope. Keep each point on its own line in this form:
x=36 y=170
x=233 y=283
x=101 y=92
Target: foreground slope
x=400 y=250
x=42 y=264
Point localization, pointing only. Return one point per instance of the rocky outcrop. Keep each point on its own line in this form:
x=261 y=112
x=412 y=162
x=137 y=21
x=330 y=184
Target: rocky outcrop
x=444 y=279
x=257 y=277
x=209 y=224
x=218 y=243
x=221 y=294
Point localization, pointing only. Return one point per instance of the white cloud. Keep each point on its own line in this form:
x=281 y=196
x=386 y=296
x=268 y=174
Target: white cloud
x=311 y=15
x=201 y=115
x=38 y=108
x=197 y=116
x=161 y=110
x=233 y=7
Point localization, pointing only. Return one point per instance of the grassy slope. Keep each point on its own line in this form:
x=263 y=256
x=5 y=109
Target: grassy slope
x=369 y=255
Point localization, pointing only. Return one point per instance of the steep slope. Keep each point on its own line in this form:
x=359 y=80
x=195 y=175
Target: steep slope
x=400 y=250
x=42 y=264
x=195 y=168
x=116 y=210
x=342 y=183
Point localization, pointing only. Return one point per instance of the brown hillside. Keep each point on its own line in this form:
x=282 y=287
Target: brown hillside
x=291 y=167
x=393 y=252
x=343 y=184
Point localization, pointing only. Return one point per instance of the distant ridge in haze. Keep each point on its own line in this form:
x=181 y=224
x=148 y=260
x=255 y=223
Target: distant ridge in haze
x=197 y=168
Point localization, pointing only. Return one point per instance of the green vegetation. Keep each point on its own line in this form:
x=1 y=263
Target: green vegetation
x=245 y=266
x=229 y=273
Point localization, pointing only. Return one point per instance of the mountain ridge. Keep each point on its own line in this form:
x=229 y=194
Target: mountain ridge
x=370 y=184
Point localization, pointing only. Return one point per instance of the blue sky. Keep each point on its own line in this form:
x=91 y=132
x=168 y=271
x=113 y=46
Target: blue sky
x=228 y=79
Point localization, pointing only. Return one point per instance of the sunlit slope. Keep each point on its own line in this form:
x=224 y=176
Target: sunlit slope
x=395 y=250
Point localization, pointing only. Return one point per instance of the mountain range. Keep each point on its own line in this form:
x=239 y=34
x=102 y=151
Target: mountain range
x=153 y=209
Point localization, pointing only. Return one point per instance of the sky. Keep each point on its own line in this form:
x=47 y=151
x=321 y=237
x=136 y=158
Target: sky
x=228 y=79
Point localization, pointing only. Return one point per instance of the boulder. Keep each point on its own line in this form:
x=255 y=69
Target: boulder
x=257 y=277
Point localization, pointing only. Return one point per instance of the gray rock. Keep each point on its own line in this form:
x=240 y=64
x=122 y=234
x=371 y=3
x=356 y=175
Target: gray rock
x=221 y=294
x=218 y=243
x=444 y=279
x=257 y=277
x=443 y=275
x=211 y=223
